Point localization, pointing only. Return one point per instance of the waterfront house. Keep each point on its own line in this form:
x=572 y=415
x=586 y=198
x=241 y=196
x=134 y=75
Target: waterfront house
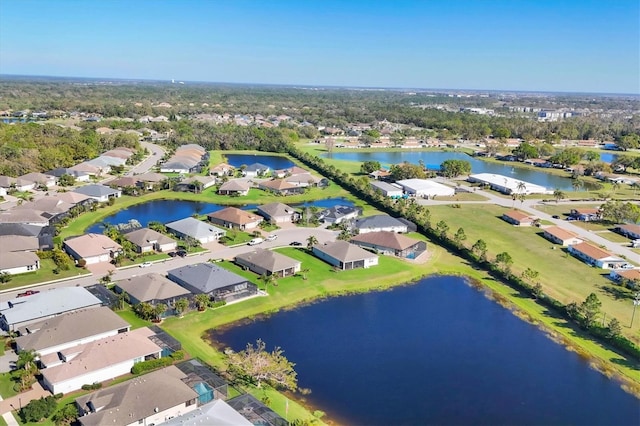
x=146 y=240
x=212 y=280
x=267 y=262
x=150 y=399
x=595 y=256
x=95 y=362
x=280 y=187
x=344 y=255
x=235 y=187
x=233 y=217
x=279 y=213
x=93 y=248
x=194 y=228
x=390 y=243
x=339 y=214
x=218 y=412
x=256 y=170
x=561 y=236
x=71 y=329
x=222 y=169
x=99 y=193
x=518 y=218
x=192 y=183
x=152 y=288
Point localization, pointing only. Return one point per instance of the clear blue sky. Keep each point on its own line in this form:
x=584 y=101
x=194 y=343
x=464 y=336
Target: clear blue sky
x=539 y=45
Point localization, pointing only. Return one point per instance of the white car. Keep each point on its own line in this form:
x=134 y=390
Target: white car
x=271 y=237
x=145 y=264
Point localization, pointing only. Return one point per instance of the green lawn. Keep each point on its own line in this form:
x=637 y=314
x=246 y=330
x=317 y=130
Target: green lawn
x=562 y=276
x=44 y=274
x=129 y=316
x=6 y=386
x=613 y=236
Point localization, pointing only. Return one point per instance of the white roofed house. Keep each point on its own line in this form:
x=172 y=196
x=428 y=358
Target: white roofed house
x=381 y=222
x=201 y=231
x=425 y=188
x=507 y=185
x=99 y=193
x=344 y=255
x=387 y=189
x=93 y=248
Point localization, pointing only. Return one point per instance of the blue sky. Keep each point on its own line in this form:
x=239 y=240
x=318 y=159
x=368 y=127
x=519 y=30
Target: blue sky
x=569 y=46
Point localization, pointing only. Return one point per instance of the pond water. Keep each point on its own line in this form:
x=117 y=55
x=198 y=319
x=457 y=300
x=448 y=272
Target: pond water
x=171 y=210
x=608 y=157
x=437 y=352
x=433 y=160
x=275 y=162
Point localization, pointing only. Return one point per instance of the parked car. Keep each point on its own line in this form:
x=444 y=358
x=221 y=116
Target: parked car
x=145 y=264
x=295 y=243
x=271 y=237
x=172 y=254
x=28 y=293
x=555 y=216
x=181 y=253
x=255 y=241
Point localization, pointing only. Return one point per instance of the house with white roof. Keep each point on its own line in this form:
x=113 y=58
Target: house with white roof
x=100 y=193
x=201 y=231
x=425 y=188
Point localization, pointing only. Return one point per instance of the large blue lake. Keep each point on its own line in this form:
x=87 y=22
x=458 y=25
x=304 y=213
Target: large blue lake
x=433 y=160
x=437 y=352
x=170 y=210
x=275 y=162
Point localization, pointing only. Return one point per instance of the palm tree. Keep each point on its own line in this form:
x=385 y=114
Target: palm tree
x=180 y=306
x=311 y=241
x=123 y=298
x=559 y=195
x=268 y=280
x=202 y=301
x=577 y=184
x=158 y=310
x=615 y=185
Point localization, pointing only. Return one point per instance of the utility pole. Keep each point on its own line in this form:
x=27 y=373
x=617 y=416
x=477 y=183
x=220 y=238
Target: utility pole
x=636 y=302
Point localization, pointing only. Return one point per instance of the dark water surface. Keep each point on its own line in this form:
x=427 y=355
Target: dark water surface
x=437 y=352
x=165 y=211
x=275 y=162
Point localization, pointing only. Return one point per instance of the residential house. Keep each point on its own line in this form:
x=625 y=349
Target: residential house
x=280 y=187
x=561 y=236
x=344 y=255
x=75 y=198
x=103 y=165
x=40 y=179
x=195 y=183
x=518 y=218
x=232 y=217
x=71 y=329
x=95 y=362
x=79 y=176
x=278 y=213
x=150 y=399
x=267 y=262
x=150 y=180
x=181 y=165
x=18 y=184
x=256 y=170
x=194 y=228
x=22 y=311
x=222 y=169
x=210 y=279
x=43 y=234
x=235 y=187
x=629 y=230
x=24 y=217
x=380 y=174
x=93 y=248
x=124 y=182
x=425 y=188
x=586 y=214
x=146 y=240
x=255 y=411
x=99 y=193
x=152 y=288
x=18 y=262
x=339 y=214
x=87 y=168
x=304 y=180
x=390 y=243
x=625 y=274
x=381 y=222
x=595 y=256
x=216 y=412
x=387 y=189
x=52 y=208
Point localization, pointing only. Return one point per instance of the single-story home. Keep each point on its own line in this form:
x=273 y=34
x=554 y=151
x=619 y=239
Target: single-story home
x=95 y=362
x=425 y=188
x=18 y=262
x=22 y=311
x=146 y=240
x=280 y=187
x=267 y=262
x=236 y=187
x=93 y=248
x=152 y=288
x=339 y=214
x=40 y=179
x=344 y=255
x=233 y=217
x=190 y=184
x=78 y=175
x=222 y=169
x=625 y=274
x=561 y=236
x=100 y=193
x=279 y=213
x=210 y=279
x=19 y=184
x=586 y=214
x=44 y=234
x=629 y=230
x=25 y=217
x=390 y=243
x=518 y=218
x=149 y=399
x=595 y=256
x=387 y=189
x=191 y=227
x=380 y=174
x=218 y=412
x=255 y=170
x=70 y=329
x=380 y=222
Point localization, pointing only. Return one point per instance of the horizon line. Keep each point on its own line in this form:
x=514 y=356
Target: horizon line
x=311 y=86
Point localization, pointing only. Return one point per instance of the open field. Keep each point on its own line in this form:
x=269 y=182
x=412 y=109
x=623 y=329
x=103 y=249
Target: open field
x=562 y=276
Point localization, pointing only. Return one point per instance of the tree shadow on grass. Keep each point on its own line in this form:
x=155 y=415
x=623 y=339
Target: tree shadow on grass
x=618 y=293
x=626 y=363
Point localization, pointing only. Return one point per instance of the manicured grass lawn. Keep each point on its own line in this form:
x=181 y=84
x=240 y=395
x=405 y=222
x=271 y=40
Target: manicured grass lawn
x=463 y=196
x=561 y=275
x=44 y=274
x=129 y=316
x=613 y=236
x=6 y=386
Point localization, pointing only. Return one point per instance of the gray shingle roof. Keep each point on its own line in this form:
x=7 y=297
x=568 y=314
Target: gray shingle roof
x=96 y=190
x=152 y=286
x=205 y=277
x=195 y=228
x=276 y=209
x=145 y=237
x=378 y=221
